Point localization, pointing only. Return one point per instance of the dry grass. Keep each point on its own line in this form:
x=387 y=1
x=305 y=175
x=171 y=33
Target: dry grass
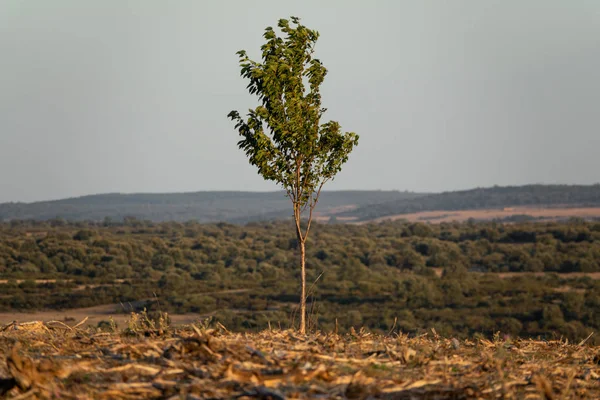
x=152 y=361
x=507 y=275
x=569 y=275
x=95 y=315
x=547 y=214
x=119 y=312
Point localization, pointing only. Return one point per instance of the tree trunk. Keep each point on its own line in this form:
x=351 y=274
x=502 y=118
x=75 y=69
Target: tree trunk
x=303 y=291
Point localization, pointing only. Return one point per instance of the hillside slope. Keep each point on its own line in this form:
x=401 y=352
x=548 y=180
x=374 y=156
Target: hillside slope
x=243 y=207
x=226 y=206
x=485 y=198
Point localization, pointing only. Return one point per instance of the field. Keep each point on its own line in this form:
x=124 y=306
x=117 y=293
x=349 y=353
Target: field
x=92 y=315
x=530 y=280
x=118 y=312
x=198 y=362
x=545 y=214
x=397 y=310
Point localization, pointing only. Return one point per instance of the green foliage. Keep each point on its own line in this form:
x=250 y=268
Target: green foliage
x=283 y=137
x=246 y=276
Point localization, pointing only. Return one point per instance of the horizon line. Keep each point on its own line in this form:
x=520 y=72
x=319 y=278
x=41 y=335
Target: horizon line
x=283 y=191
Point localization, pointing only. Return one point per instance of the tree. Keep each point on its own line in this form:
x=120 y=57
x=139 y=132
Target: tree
x=283 y=137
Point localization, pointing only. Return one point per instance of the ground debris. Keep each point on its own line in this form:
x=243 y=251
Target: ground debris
x=39 y=361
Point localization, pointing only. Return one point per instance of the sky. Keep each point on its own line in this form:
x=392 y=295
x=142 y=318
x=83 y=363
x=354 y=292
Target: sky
x=132 y=96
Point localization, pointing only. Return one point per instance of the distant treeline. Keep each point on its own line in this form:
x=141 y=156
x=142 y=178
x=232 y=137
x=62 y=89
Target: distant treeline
x=484 y=198
x=365 y=274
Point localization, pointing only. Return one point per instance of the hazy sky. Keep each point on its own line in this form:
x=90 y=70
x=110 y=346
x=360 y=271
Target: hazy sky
x=132 y=96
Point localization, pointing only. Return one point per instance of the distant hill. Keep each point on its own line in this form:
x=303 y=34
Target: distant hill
x=242 y=207
x=484 y=198
x=225 y=206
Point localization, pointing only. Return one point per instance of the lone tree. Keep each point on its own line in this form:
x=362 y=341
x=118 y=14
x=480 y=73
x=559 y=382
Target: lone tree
x=283 y=137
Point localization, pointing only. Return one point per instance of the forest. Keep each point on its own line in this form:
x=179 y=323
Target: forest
x=462 y=279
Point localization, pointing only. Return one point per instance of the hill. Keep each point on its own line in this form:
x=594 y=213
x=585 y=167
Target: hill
x=244 y=207
x=484 y=198
x=210 y=206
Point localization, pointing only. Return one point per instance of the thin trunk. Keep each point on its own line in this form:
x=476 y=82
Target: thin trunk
x=301 y=242
x=303 y=292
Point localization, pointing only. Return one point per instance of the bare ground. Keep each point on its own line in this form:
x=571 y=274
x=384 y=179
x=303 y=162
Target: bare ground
x=95 y=314
x=43 y=361
x=119 y=312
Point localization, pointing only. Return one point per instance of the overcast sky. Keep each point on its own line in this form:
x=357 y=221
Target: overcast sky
x=132 y=96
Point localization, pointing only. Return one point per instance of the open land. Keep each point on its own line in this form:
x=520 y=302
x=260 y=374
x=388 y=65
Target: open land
x=196 y=362
x=542 y=214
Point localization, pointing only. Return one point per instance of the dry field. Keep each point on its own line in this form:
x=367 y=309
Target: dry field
x=118 y=312
x=61 y=361
x=490 y=214
x=569 y=275
x=93 y=314
x=505 y=275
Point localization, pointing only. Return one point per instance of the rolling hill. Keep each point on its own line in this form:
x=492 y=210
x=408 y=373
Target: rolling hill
x=235 y=207
x=346 y=206
x=484 y=198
